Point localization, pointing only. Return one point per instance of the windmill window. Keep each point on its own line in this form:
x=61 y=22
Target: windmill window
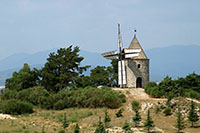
x=138 y=65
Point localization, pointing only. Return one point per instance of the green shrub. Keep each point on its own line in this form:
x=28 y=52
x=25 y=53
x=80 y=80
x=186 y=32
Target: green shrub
x=9 y=94
x=167 y=111
x=119 y=113
x=61 y=131
x=135 y=105
x=16 y=107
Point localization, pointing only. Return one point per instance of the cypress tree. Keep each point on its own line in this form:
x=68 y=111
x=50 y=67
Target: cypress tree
x=106 y=118
x=100 y=128
x=65 y=123
x=126 y=127
x=149 y=122
x=192 y=116
x=136 y=118
x=76 y=129
x=180 y=124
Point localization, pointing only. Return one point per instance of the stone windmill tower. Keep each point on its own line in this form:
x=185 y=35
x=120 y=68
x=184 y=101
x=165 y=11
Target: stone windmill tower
x=133 y=65
x=137 y=68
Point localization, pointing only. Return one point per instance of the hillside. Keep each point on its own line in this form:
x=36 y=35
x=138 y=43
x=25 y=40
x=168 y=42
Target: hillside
x=87 y=119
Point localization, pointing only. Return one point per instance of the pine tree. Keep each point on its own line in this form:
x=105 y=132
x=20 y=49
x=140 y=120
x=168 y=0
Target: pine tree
x=137 y=118
x=106 y=118
x=192 y=116
x=100 y=128
x=149 y=122
x=180 y=124
x=126 y=127
x=65 y=123
x=119 y=113
x=76 y=129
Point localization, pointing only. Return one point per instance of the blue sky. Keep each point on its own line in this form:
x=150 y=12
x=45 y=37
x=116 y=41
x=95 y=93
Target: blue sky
x=34 y=25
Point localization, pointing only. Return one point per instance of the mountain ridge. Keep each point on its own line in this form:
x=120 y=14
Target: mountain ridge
x=175 y=61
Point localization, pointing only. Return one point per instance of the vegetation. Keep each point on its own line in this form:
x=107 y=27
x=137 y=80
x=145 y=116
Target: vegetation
x=82 y=97
x=167 y=111
x=135 y=105
x=61 y=84
x=119 y=112
x=180 y=123
x=65 y=123
x=126 y=127
x=136 y=118
x=192 y=116
x=107 y=118
x=186 y=87
x=100 y=128
x=76 y=129
x=16 y=107
x=149 y=122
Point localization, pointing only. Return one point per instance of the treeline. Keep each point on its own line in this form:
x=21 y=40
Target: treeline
x=61 y=84
x=63 y=70
x=185 y=87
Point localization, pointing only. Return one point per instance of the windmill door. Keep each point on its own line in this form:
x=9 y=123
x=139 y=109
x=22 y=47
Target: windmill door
x=139 y=82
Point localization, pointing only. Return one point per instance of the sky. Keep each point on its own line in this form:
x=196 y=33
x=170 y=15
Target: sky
x=29 y=26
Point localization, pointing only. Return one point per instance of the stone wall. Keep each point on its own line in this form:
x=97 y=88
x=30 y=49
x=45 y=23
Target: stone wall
x=133 y=72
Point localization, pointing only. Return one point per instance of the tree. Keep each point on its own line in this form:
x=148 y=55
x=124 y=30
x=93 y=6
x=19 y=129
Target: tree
x=100 y=128
x=62 y=69
x=76 y=129
x=137 y=118
x=119 y=113
x=126 y=127
x=100 y=76
x=149 y=122
x=192 y=116
x=23 y=79
x=65 y=123
x=106 y=118
x=135 y=105
x=114 y=73
x=167 y=111
x=180 y=124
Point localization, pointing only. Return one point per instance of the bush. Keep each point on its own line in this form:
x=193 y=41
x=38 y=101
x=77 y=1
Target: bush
x=88 y=97
x=167 y=111
x=16 y=107
x=119 y=113
x=135 y=105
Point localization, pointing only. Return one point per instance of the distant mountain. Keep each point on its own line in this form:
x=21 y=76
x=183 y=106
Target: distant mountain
x=15 y=62
x=175 y=61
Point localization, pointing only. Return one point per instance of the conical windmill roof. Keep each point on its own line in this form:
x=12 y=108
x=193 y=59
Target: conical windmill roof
x=136 y=45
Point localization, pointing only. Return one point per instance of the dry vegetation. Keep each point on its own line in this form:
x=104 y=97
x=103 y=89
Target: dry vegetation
x=87 y=119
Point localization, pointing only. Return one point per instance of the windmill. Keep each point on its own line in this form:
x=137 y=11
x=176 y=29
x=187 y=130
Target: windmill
x=122 y=55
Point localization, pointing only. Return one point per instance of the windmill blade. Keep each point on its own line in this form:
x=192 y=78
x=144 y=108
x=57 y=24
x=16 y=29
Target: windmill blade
x=127 y=51
x=111 y=55
x=121 y=73
x=131 y=55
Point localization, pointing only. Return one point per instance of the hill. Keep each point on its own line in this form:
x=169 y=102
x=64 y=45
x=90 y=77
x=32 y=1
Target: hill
x=87 y=118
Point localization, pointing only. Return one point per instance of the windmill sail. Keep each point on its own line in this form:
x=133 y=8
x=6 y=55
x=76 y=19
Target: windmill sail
x=111 y=55
x=121 y=73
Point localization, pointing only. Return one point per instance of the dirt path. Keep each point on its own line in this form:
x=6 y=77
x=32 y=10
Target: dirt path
x=137 y=94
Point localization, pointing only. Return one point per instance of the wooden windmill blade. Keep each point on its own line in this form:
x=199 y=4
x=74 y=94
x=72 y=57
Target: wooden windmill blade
x=111 y=55
x=121 y=73
x=130 y=53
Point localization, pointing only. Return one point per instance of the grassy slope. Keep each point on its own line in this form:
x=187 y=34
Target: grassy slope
x=88 y=118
